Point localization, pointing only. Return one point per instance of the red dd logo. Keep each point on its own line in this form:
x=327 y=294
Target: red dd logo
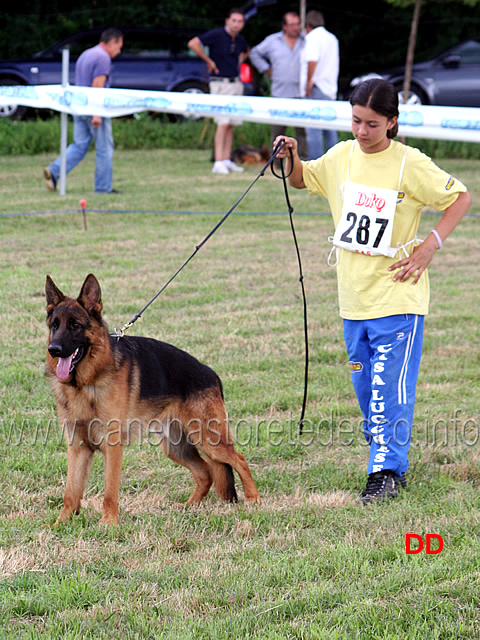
x=428 y=547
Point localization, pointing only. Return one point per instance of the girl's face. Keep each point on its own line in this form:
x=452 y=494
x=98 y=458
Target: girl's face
x=370 y=128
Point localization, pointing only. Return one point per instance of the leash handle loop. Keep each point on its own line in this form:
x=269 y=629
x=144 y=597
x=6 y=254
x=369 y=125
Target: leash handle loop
x=283 y=177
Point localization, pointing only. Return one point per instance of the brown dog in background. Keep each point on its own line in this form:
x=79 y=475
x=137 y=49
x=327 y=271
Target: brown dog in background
x=247 y=154
x=108 y=388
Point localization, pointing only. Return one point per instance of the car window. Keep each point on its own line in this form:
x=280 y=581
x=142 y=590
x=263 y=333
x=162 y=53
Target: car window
x=145 y=46
x=167 y=44
x=469 y=52
x=150 y=45
x=79 y=44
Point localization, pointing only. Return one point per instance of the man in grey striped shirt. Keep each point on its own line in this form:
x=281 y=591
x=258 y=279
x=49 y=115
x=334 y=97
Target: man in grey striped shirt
x=279 y=56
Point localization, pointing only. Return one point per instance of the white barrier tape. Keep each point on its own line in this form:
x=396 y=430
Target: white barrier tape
x=447 y=123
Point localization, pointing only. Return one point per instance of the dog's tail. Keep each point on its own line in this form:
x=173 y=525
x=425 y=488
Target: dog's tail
x=224 y=481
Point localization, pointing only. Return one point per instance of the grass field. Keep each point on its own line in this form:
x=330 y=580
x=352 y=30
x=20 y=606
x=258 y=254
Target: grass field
x=309 y=562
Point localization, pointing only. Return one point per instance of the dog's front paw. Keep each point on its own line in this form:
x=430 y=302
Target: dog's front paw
x=109 y=518
x=110 y=515
x=66 y=514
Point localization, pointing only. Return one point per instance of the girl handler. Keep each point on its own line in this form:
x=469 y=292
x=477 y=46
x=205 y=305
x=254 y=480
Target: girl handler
x=376 y=188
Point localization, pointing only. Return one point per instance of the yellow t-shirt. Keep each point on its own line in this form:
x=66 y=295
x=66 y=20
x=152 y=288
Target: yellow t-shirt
x=365 y=286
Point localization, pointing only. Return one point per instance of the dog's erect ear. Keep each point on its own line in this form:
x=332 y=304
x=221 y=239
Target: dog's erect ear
x=53 y=294
x=91 y=295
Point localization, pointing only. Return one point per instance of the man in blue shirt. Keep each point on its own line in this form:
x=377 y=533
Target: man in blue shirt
x=279 y=55
x=93 y=69
x=227 y=49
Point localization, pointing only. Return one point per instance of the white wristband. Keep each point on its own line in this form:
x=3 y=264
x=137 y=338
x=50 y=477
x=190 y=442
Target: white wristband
x=437 y=236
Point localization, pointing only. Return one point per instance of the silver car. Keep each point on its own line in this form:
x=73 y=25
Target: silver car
x=452 y=78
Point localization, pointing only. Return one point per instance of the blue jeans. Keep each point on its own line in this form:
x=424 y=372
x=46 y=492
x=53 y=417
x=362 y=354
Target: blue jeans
x=317 y=137
x=83 y=134
x=384 y=355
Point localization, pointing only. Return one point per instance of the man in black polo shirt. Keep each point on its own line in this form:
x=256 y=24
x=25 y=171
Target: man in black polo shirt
x=227 y=49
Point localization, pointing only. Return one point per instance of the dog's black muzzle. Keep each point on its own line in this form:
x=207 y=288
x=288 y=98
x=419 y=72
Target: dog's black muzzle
x=55 y=350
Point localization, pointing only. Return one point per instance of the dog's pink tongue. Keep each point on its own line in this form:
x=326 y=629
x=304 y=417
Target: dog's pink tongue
x=63 y=367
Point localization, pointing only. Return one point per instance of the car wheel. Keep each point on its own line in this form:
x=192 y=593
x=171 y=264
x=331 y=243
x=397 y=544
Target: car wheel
x=12 y=111
x=415 y=95
x=191 y=87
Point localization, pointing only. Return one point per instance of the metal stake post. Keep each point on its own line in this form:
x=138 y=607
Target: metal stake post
x=64 y=124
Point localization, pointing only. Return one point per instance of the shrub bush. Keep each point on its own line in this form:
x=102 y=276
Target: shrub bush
x=147 y=131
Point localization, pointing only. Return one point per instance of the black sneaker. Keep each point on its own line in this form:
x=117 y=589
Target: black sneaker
x=380 y=486
x=50 y=180
x=401 y=480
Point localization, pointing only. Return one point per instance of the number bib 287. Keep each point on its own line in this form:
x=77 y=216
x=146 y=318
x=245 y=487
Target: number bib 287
x=367 y=220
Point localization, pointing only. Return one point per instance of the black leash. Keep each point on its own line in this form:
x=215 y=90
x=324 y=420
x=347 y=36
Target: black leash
x=120 y=333
x=304 y=296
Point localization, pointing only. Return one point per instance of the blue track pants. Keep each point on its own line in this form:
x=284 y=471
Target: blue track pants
x=384 y=356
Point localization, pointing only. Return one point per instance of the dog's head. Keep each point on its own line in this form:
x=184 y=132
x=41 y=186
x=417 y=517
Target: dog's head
x=70 y=322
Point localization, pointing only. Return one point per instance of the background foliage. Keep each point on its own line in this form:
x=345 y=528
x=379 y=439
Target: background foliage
x=31 y=137
x=372 y=32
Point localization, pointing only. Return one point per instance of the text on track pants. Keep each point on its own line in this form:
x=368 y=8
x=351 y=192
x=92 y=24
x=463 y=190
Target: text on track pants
x=384 y=357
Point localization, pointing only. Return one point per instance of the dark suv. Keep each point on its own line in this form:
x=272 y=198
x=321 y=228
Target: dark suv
x=151 y=59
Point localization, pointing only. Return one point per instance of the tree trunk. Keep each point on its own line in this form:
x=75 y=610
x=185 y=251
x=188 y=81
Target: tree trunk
x=410 y=51
x=303 y=11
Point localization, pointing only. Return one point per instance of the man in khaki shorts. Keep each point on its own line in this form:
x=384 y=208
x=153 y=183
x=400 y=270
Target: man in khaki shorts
x=227 y=49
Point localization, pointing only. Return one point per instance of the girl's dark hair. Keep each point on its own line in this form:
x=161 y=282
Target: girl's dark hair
x=380 y=96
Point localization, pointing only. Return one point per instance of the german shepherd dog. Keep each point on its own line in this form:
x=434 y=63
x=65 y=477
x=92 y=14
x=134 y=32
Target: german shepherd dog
x=246 y=154
x=106 y=386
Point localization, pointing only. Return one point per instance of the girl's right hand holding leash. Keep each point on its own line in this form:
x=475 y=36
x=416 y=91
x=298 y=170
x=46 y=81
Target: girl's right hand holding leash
x=296 y=174
x=290 y=143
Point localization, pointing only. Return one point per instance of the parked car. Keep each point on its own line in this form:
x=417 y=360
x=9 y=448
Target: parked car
x=452 y=78
x=151 y=59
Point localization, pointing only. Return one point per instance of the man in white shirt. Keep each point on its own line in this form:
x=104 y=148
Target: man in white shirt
x=319 y=77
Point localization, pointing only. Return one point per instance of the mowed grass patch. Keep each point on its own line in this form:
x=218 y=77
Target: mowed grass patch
x=309 y=562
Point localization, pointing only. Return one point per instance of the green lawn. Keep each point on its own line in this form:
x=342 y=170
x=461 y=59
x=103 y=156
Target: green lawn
x=309 y=562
